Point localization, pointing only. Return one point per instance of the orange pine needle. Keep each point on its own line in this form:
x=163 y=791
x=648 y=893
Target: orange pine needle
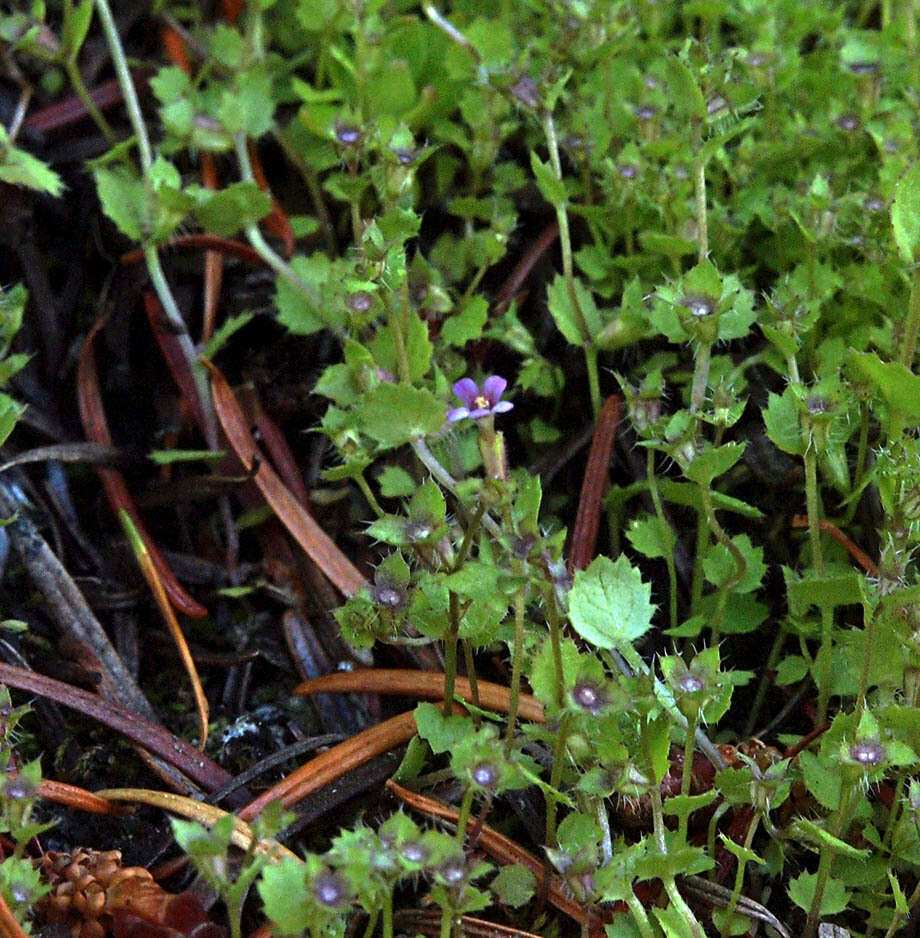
x=426 y=684
x=854 y=550
x=335 y=762
x=321 y=549
x=499 y=847
x=145 y=561
x=75 y=797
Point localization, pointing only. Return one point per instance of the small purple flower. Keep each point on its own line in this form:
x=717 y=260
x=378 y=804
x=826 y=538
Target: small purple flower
x=480 y=402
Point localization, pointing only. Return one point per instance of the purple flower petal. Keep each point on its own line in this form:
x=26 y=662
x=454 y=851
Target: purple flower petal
x=502 y=407
x=480 y=412
x=458 y=413
x=493 y=388
x=467 y=390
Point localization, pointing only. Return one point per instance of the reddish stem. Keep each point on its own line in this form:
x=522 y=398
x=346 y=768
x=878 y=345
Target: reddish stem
x=587 y=521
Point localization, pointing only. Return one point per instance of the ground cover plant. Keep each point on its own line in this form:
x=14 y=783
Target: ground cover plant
x=548 y=364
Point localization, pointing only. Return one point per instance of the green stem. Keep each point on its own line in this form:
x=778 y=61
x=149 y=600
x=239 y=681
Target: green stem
x=430 y=462
x=702 y=544
x=568 y=270
x=686 y=776
x=912 y=326
x=639 y=915
x=368 y=494
x=699 y=186
x=740 y=563
x=517 y=661
x=663 y=523
x=388 y=914
x=184 y=340
x=871 y=631
x=899 y=917
x=371 y=926
x=838 y=826
x=466 y=806
x=813 y=507
x=594 y=384
x=470 y=662
x=76 y=80
x=259 y=244
x=399 y=339
x=700 y=376
x=555 y=777
x=450 y=653
x=739 y=870
x=123 y=73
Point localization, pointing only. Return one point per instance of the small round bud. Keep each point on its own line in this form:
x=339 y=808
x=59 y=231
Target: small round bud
x=329 y=890
x=690 y=684
x=699 y=306
x=18 y=788
x=628 y=170
x=348 y=134
x=848 y=123
x=525 y=90
x=417 y=531
x=405 y=156
x=645 y=112
x=414 y=852
x=389 y=596
x=484 y=774
x=453 y=870
x=360 y=302
x=867 y=752
x=589 y=696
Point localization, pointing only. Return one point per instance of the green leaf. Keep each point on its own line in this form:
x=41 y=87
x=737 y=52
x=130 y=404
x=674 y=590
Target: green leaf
x=609 y=605
x=166 y=457
x=840 y=586
x=821 y=781
x=802 y=892
x=650 y=537
x=10 y=412
x=781 y=420
x=225 y=211
x=249 y=106
x=418 y=347
x=566 y=316
x=905 y=214
x=466 y=325
x=819 y=837
x=687 y=494
x=440 y=732
x=899 y=386
x=493 y=40
x=670 y=245
x=685 y=92
x=19 y=168
x=395 y=482
x=514 y=885
x=124 y=199
x=791 y=670
x=390 y=90
x=542 y=673
x=294 y=310
x=230 y=326
x=393 y=414
x=551 y=187
x=712 y=463
x=76 y=26
x=282 y=888
x=719 y=564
